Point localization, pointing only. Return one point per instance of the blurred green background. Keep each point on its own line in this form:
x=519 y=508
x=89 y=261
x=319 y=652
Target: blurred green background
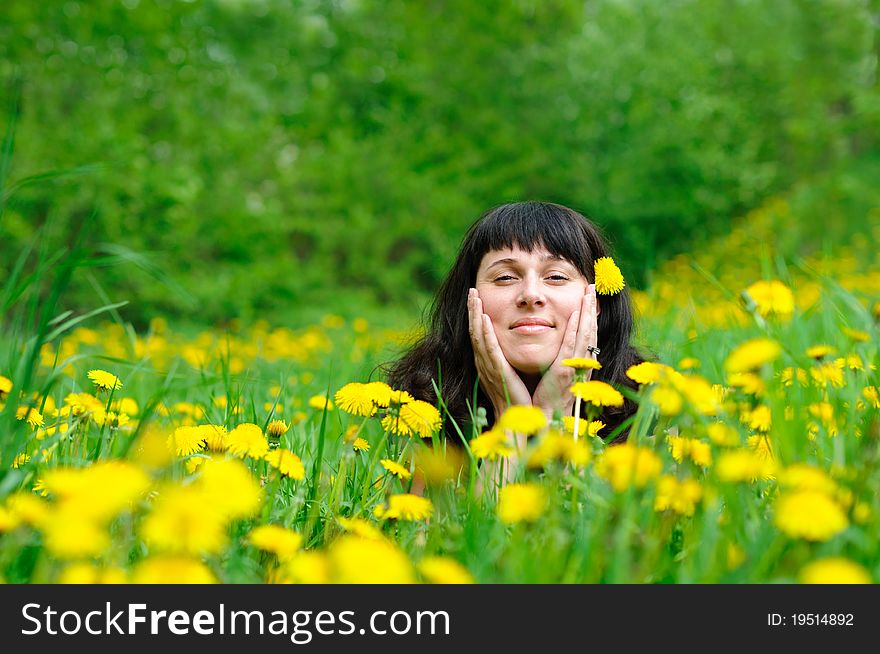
x=271 y=159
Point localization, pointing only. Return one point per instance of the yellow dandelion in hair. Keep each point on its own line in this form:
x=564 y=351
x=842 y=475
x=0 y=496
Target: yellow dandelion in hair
x=521 y=503
x=247 y=440
x=396 y=469
x=104 y=380
x=441 y=570
x=609 y=279
x=406 y=507
x=320 y=402
x=361 y=445
x=579 y=363
x=287 y=463
x=773 y=298
x=834 y=570
x=357 y=399
x=598 y=393
x=281 y=542
x=491 y=445
x=526 y=420
x=810 y=515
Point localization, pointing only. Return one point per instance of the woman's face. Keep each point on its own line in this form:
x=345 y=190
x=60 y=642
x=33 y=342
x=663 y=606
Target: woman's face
x=529 y=296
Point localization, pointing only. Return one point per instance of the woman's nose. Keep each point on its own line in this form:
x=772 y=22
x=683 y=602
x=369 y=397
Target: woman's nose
x=530 y=293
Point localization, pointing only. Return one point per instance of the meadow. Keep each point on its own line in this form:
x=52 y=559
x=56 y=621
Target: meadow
x=275 y=453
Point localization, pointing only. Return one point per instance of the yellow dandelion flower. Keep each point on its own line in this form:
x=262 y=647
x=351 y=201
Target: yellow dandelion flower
x=579 y=363
x=26 y=508
x=872 y=396
x=627 y=464
x=555 y=445
x=33 y=417
x=287 y=463
x=87 y=573
x=521 y=503
x=215 y=437
x=802 y=476
x=247 y=440
x=810 y=515
x=834 y=570
x=104 y=381
x=396 y=425
x=773 y=298
x=406 y=507
x=183 y=521
x=380 y=393
x=193 y=463
x=357 y=399
x=646 y=372
x=678 y=496
x=743 y=465
x=359 y=527
x=20 y=459
x=422 y=418
x=442 y=570
x=172 y=570
x=230 y=488
x=668 y=400
x=396 y=469
x=689 y=363
x=609 y=279
x=490 y=445
x=760 y=444
x=360 y=445
x=186 y=440
x=789 y=375
x=528 y=420
x=828 y=373
x=819 y=351
x=5 y=387
x=277 y=540
x=592 y=428
x=8 y=521
x=84 y=491
x=399 y=398
x=302 y=568
x=356 y=560
x=70 y=536
x=750 y=383
x=752 y=355
x=597 y=393
x=276 y=429
x=723 y=435
x=759 y=418
x=851 y=361
x=691 y=448
x=856 y=334
x=320 y=402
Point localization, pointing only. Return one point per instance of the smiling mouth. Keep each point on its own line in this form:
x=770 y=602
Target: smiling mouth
x=531 y=328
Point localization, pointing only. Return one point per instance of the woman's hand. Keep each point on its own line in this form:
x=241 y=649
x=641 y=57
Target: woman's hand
x=497 y=377
x=581 y=332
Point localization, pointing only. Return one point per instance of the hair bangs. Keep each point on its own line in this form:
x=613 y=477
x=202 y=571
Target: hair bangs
x=528 y=225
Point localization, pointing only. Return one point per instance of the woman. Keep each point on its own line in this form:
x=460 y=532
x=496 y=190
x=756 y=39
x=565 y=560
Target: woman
x=519 y=299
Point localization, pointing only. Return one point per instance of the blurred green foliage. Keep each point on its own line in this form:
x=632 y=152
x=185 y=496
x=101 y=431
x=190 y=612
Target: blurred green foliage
x=271 y=156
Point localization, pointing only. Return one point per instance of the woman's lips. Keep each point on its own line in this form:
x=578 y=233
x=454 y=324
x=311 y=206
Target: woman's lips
x=532 y=329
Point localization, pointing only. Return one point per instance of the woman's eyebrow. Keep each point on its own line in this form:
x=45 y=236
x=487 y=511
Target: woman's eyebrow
x=511 y=260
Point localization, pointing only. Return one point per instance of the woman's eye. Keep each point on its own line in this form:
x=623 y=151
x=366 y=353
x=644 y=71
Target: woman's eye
x=559 y=278
x=503 y=278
